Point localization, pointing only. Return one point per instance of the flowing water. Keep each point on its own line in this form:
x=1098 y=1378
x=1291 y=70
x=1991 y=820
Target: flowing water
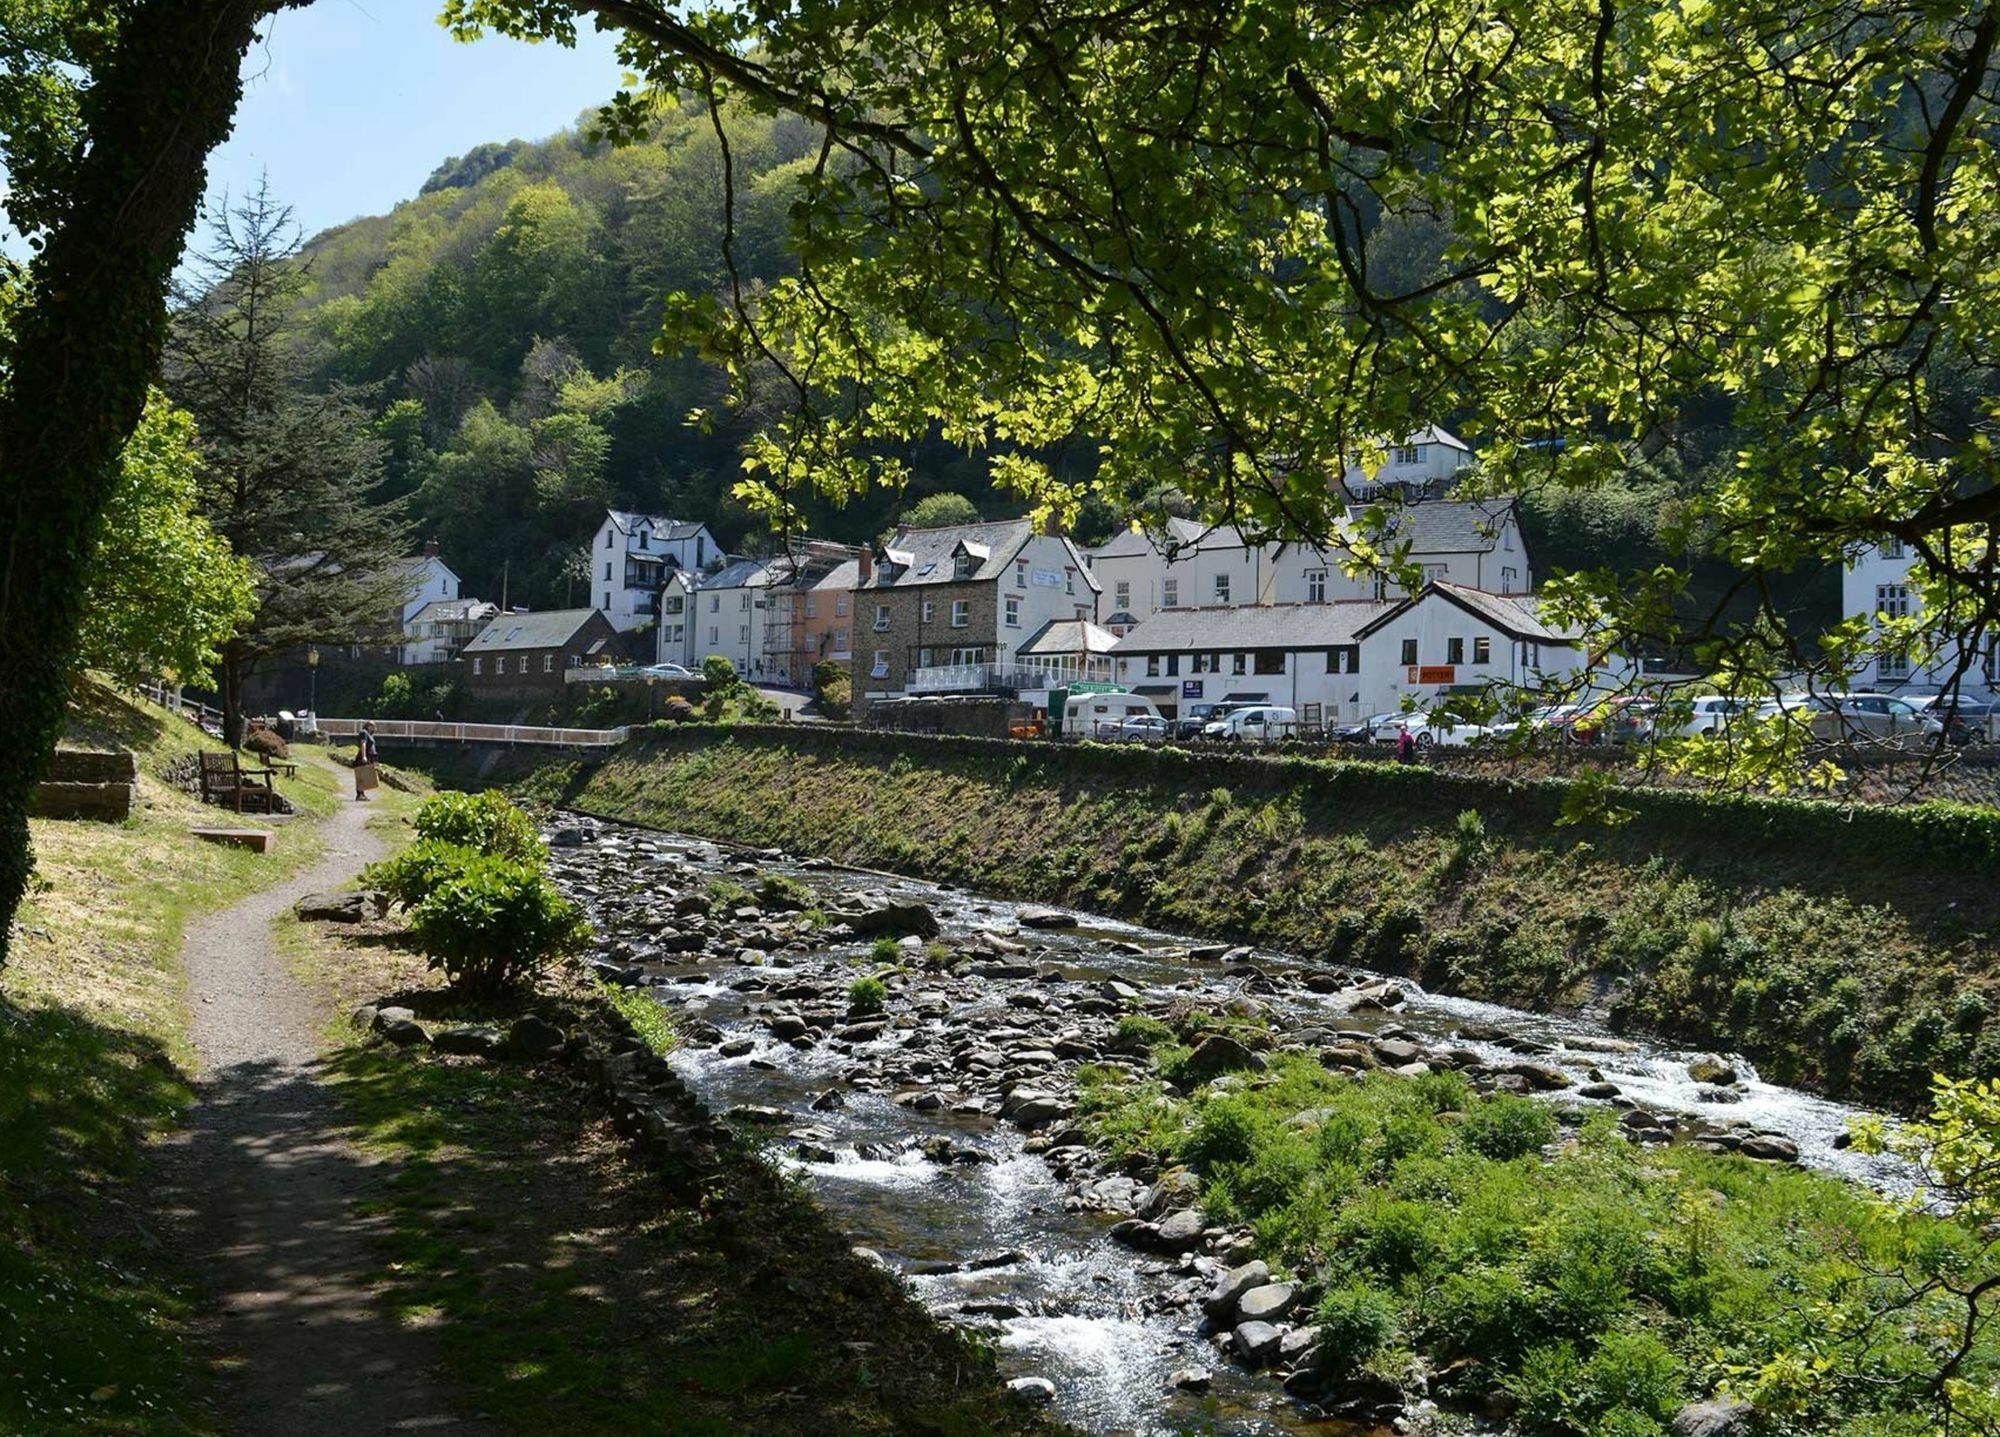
x=992 y=1242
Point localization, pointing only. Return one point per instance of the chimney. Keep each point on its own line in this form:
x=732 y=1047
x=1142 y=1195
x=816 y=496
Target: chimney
x=430 y=548
x=1052 y=526
x=866 y=559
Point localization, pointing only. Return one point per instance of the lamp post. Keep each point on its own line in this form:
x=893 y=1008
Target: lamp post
x=312 y=679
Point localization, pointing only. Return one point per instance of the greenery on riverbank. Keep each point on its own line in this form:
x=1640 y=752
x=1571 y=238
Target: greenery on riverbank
x=1586 y=1285
x=95 y=1060
x=1710 y=924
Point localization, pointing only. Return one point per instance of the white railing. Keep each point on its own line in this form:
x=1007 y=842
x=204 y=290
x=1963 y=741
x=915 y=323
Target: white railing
x=960 y=678
x=433 y=731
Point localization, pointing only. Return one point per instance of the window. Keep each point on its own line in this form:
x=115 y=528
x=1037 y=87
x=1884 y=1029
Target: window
x=1381 y=587
x=1013 y=612
x=1482 y=650
x=607 y=571
x=1204 y=663
x=1269 y=661
x=1507 y=537
x=1069 y=580
x=548 y=663
x=500 y=666
x=1315 y=586
x=715 y=603
x=1454 y=651
x=1409 y=652
x=1170 y=593
x=607 y=601
x=1434 y=572
x=1510 y=580
x=673 y=604
x=1892 y=601
x=478 y=664
x=643 y=537
x=607 y=538
x=743 y=600
x=961 y=613
x=1152 y=666
x=1222 y=588
x=714 y=634
x=840 y=606
x=1020 y=573
x=1121 y=594
x=675 y=633
x=1173 y=666
x=812 y=606
x=881 y=618
x=1892 y=548
x=840 y=641
x=1238 y=663
x=1893 y=666
x=878 y=665
x=930 y=611
x=1410 y=453
x=743 y=634
x=1344 y=659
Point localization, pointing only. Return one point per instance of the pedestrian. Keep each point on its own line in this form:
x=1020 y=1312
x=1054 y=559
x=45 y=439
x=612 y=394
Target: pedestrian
x=364 y=762
x=1406 y=745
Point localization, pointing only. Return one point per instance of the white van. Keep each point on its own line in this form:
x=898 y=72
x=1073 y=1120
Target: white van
x=1261 y=724
x=1099 y=715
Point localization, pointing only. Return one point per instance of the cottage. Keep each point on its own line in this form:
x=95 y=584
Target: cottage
x=631 y=557
x=1452 y=639
x=732 y=612
x=527 y=656
x=946 y=610
x=1428 y=460
x=826 y=618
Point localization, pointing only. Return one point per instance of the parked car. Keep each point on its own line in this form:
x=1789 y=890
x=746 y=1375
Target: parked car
x=1429 y=733
x=1142 y=728
x=1261 y=723
x=1967 y=720
x=1193 y=719
x=1548 y=720
x=1361 y=731
x=668 y=671
x=1857 y=718
x=1624 y=719
x=1095 y=715
x=1708 y=715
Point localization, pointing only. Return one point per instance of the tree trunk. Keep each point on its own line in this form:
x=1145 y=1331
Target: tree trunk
x=87 y=344
x=229 y=676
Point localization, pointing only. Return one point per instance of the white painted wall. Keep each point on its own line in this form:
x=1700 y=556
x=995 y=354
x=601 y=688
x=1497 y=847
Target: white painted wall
x=1432 y=625
x=1037 y=598
x=1878 y=579
x=1305 y=680
x=628 y=608
x=1145 y=583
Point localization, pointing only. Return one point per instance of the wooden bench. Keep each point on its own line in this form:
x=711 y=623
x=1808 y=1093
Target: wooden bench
x=224 y=781
x=288 y=767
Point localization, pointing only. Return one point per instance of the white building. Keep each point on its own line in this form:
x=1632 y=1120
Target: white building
x=1428 y=460
x=674 y=638
x=1304 y=656
x=1478 y=543
x=631 y=556
x=1453 y=639
x=728 y=613
x=1876 y=585
x=440 y=630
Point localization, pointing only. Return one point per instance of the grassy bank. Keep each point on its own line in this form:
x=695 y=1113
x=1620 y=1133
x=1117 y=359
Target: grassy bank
x=94 y=1060
x=574 y=1287
x=1850 y=952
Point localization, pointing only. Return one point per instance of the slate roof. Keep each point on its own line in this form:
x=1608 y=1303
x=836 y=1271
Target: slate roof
x=549 y=629
x=1069 y=636
x=1253 y=626
x=626 y=522
x=927 y=554
x=1133 y=543
x=746 y=574
x=841 y=576
x=1451 y=526
x=1518 y=616
x=452 y=611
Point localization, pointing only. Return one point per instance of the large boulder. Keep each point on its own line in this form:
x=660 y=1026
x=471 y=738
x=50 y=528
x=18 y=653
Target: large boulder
x=895 y=917
x=1220 y=1304
x=1046 y=918
x=533 y=1038
x=1711 y=1069
x=1770 y=1148
x=1179 y=1232
x=1273 y=1302
x=1717 y=1417
x=467 y=1041
x=1256 y=1343
x=361 y=906
x=1219 y=1053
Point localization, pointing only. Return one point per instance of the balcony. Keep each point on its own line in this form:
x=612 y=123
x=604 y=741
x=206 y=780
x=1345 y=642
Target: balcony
x=975 y=678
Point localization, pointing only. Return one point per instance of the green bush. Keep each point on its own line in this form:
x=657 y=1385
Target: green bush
x=833 y=688
x=485 y=822
x=1503 y=1127
x=1635 y=1372
x=867 y=995
x=1355 y=1322
x=494 y=924
x=886 y=950
x=411 y=875
x=1137 y=1031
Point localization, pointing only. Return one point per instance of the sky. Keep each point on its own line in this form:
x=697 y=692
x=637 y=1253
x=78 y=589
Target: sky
x=349 y=105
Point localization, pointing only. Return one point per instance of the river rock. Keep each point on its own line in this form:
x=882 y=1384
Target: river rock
x=1117 y=992
x=1717 y=1417
x=1256 y=1343
x=755 y=1113
x=532 y=1038
x=1180 y=1231
x=1045 y=918
x=1220 y=1304
x=1191 y=1379
x=1220 y=1053
x=1006 y=971
x=1770 y=1148
x=467 y=1041
x=1598 y=1090
x=1394 y=1052
x=737 y=1047
x=787 y=1026
x=1711 y=1069
x=360 y=906
x=1038 y=1111
x=1272 y=1302
x=403 y=1032
x=1036 y=1391
x=1546 y=1076
x=890 y=916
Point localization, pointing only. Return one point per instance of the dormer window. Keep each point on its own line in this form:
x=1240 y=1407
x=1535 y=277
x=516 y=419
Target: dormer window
x=643 y=538
x=963 y=566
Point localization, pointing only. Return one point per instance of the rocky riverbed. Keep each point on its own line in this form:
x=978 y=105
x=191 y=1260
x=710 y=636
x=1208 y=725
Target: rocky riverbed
x=940 y=1127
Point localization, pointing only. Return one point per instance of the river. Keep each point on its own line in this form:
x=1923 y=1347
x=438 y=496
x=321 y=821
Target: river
x=996 y=1234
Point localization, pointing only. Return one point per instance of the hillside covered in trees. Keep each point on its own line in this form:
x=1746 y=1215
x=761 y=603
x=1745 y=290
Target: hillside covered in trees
x=505 y=324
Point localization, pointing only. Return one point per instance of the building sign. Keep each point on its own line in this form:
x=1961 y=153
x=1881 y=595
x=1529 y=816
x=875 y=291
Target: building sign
x=1431 y=674
x=1191 y=688
x=1049 y=578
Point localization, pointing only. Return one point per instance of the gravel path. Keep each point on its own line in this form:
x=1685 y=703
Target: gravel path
x=265 y=1186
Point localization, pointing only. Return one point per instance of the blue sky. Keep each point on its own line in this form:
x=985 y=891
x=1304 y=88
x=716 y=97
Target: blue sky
x=349 y=104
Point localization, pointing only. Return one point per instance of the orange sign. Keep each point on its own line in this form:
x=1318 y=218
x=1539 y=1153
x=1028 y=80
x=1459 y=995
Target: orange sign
x=1436 y=674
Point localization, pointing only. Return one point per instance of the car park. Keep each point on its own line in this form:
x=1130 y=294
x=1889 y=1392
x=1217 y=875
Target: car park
x=1705 y=715
x=1967 y=720
x=1864 y=718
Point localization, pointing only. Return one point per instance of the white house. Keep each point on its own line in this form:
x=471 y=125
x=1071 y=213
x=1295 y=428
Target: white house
x=1478 y=543
x=430 y=579
x=441 y=629
x=1428 y=459
x=1876 y=585
x=674 y=638
x=1304 y=656
x=729 y=611
x=631 y=556
x=1454 y=639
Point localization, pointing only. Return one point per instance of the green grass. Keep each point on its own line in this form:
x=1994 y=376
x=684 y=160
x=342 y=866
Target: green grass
x=1852 y=977
x=1601 y=1285
x=94 y=1058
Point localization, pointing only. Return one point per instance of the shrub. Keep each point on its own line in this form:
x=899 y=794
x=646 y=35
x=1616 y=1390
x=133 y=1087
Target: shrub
x=1504 y=1127
x=1136 y=1030
x=867 y=995
x=677 y=710
x=268 y=742
x=833 y=688
x=1635 y=1371
x=397 y=698
x=1550 y=1387
x=719 y=672
x=494 y=923
x=411 y=875
x=1355 y=1322
x=1224 y=1135
x=938 y=957
x=485 y=822
x=886 y=950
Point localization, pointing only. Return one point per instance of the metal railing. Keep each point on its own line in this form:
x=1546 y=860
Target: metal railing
x=961 y=678
x=432 y=731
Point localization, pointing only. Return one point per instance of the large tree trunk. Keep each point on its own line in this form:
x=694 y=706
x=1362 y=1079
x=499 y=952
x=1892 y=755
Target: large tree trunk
x=87 y=344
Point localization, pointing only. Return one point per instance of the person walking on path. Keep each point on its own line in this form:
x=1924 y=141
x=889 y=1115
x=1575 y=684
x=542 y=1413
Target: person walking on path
x=364 y=762
x=1406 y=745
